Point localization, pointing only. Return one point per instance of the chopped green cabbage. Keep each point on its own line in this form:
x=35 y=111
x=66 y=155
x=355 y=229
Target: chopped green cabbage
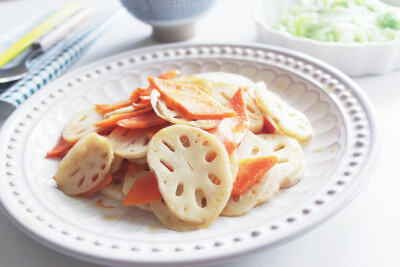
x=348 y=21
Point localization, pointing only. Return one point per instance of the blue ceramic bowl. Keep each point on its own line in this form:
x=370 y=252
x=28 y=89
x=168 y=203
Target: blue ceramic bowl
x=172 y=20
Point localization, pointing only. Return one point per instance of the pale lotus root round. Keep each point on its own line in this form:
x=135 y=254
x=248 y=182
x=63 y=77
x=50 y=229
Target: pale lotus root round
x=225 y=87
x=85 y=165
x=82 y=124
x=193 y=172
x=251 y=146
x=289 y=120
x=129 y=143
x=170 y=221
x=289 y=168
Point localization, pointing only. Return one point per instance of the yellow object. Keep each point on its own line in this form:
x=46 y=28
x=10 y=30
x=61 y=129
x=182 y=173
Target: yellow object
x=43 y=27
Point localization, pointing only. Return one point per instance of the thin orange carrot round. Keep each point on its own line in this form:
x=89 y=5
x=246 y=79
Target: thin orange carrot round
x=251 y=170
x=147 y=120
x=61 y=149
x=144 y=190
x=112 y=121
x=105 y=108
x=232 y=130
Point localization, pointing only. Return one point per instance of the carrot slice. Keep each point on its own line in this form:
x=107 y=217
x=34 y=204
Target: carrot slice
x=138 y=93
x=105 y=108
x=193 y=103
x=135 y=95
x=142 y=104
x=102 y=184
x=114 y=119
x=147 y=120
x=251 y=170
x=232 y=130
x=169 y=75
x=144 y=190
x=269 y=126
x=61 y=149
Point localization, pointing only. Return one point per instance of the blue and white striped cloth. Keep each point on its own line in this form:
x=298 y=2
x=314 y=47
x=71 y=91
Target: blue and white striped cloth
x=58 y=61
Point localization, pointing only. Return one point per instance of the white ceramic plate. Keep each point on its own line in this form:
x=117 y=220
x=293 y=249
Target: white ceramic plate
x=366 y=58
x=338 y=158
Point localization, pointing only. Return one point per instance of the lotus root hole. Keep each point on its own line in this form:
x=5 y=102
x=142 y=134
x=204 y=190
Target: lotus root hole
x=125 y=132
x=104 y=155
x=205 y=143
x=74 y=172
x=103 y=166
x=283 y=160
x=92 y=164
x=255 y=150
x=170 y=168
x=131 y=142
x=292 y=114
x=211 y=156
x=214 y=179
x=236 y=198
x=179 y=190
x=81 y=181
x=300 y=126
x=83 y=118
x=203 y=202
x=185 y=141
x=95 y=177
x=169 y=146
x=279 y=147
x=145 y=141
x=200 y=198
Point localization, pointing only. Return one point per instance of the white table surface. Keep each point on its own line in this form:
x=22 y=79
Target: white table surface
x=365 y=233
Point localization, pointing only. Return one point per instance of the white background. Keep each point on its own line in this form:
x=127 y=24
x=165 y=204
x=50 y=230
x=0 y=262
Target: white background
x=365 y=233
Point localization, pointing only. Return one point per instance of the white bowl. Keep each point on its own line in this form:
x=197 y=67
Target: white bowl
x=353 y=59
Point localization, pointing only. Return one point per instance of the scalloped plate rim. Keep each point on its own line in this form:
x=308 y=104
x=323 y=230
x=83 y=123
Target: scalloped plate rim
x=296 y=230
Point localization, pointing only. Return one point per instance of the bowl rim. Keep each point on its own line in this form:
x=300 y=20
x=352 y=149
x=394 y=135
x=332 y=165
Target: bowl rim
x=256 y=11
